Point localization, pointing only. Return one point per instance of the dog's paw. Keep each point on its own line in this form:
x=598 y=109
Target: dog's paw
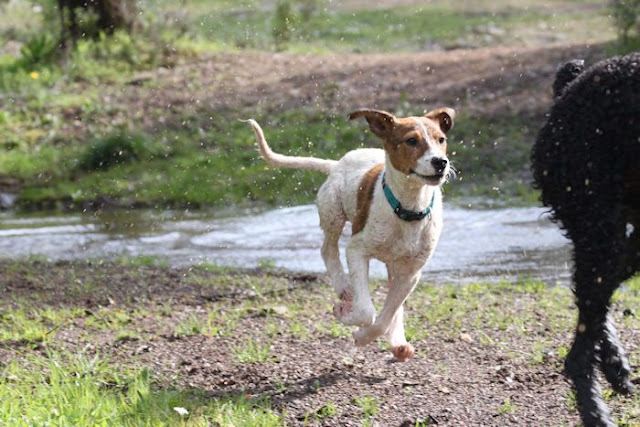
x=343 y=308
x=353 y=317
x=361 y=318
x=351 y=314
x=367 y=334
x=341 y=311
x=403 y=352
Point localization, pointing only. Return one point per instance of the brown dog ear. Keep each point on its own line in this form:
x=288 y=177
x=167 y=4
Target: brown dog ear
x=443 y=116
x=380 y=122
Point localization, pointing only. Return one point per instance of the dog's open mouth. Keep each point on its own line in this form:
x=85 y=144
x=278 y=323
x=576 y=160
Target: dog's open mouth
x=434 y=177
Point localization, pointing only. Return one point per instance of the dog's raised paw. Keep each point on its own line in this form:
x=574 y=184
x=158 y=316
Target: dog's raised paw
x=403 y=352
x=343 y=308
x=352 y=315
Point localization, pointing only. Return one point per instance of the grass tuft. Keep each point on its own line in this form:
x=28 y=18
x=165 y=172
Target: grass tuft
x=119 y=148
x=252 y=351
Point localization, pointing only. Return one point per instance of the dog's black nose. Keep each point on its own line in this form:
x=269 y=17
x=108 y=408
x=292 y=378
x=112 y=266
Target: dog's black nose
x=439 y=164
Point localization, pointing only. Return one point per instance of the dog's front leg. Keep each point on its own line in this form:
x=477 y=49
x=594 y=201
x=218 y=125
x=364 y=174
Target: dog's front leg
x=401 y=349
x=402 y=281
x=355 y=307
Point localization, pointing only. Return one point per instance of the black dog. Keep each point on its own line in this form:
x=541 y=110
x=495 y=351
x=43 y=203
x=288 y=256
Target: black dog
x=586 y=161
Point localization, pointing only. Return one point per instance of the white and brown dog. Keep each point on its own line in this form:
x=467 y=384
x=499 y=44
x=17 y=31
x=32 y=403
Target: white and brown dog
x=393 y=200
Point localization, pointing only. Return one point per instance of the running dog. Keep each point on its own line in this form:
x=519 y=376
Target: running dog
x=393 y=199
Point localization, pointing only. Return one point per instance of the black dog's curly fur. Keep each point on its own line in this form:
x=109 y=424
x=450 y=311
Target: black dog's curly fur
x=586 y=162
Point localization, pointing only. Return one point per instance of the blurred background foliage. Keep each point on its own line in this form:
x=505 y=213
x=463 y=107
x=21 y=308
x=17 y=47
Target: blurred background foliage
x=67 y=143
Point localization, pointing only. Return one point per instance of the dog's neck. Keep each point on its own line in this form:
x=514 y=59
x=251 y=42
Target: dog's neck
x=412 y=194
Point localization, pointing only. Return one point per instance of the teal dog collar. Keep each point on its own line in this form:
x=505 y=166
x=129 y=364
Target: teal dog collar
x=402 y=213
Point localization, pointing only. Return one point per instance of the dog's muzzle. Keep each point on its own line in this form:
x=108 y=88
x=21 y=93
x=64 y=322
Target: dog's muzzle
x=440 y=165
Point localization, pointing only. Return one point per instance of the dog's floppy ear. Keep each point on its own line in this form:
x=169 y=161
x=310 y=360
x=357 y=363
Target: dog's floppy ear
x=444 y=117
x=380 y=122
x=565 y=75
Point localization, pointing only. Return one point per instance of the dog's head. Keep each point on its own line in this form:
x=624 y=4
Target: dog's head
x=416 y=146
x=566 y=73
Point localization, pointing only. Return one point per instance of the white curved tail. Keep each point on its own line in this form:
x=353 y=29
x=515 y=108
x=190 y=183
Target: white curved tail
x=293 y=162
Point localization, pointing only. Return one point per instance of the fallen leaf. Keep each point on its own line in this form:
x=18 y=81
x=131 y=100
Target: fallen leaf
x=466 y=338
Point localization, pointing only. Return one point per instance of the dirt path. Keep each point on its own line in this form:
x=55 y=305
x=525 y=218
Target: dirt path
x=481 y=82
x=484 y=81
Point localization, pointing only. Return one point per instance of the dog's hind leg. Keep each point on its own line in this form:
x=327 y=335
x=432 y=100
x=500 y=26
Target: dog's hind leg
x=332 y=221
x=332 y=228
x=599 y=245
x=613 y=360
x=355 y=306
x=580 y=368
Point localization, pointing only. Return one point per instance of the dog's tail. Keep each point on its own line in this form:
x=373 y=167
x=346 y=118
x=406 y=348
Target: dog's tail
x=293 y=162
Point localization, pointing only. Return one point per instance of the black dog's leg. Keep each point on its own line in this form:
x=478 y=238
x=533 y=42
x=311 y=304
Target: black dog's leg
x=613 y=361
x=599 y=246
x=580 y=368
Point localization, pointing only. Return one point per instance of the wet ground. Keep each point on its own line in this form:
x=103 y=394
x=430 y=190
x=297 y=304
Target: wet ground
x=476 y=245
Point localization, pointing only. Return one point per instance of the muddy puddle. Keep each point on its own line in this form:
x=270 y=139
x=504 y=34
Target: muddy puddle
x=476 y=245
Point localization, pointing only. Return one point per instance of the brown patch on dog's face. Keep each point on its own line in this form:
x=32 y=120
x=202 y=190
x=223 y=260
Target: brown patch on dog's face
x=365 y=196
x=407 y=139
x=411 y=138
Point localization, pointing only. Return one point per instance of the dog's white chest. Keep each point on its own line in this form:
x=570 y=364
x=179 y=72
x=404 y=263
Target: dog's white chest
x=406 y=240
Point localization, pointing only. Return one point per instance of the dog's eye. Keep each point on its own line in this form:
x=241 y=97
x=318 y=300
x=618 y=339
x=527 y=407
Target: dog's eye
x=411 y=141
x=441 y=140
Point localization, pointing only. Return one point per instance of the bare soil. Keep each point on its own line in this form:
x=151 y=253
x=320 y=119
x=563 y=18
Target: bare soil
x=458 y=377
x=478 y=82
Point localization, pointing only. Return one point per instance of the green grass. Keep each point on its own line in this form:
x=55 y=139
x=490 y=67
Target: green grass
x=109 y=320
x=334 y=330
x=253 y=351
x=323 y=413
x=81 y=389
x=143 y=261
x=192 y=325
x=333 y=28
x=369 y=407
x=31 y=325
x=507 y=407
x=228 y=170
x=366 y=30
x=492 y=158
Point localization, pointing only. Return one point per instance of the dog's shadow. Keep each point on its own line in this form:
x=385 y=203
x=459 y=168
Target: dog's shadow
x=283 y=393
